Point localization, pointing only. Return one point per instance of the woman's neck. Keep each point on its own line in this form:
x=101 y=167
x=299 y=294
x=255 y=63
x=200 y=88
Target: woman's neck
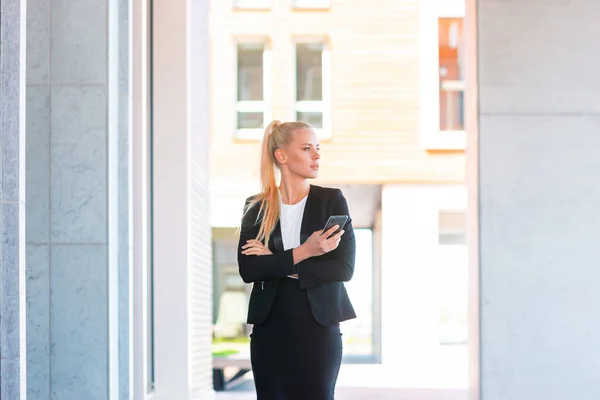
x=293 y=192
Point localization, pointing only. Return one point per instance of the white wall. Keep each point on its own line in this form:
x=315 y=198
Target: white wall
x=411 y=274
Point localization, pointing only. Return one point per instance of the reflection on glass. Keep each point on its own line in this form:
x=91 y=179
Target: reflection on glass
x=451 y=64
x=309 y=72
x=313 y=118
x=250 y=71
x=250 y=120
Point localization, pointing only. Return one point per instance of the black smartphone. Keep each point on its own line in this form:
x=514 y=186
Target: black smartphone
x=334 y=220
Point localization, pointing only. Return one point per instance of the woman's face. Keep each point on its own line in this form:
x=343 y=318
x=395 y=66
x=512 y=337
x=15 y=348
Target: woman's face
x=301 y=157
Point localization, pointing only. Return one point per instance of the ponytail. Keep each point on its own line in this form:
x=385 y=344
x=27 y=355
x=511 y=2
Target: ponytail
x=269 y=196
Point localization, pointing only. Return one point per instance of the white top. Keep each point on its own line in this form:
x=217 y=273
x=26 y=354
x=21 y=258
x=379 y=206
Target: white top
x=291 y=223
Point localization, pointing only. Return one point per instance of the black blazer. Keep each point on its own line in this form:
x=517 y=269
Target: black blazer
x=322 y=277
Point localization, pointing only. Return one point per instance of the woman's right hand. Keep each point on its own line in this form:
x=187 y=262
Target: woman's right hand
x=320 y=243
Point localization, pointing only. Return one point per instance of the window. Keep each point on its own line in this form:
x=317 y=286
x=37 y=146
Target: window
x=253 y=89
x=359 y=334
x=451 y=66
x=253 y=4
x=442 y=67
x=312 y=4
x=313 y=87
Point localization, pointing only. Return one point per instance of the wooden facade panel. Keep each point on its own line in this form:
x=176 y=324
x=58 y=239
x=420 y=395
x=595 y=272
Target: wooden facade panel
x=375 y=91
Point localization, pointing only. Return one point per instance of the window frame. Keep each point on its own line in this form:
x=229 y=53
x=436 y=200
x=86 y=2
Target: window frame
x=142 y=337
x=324 y=106
x=266 y=105
x=432 y=137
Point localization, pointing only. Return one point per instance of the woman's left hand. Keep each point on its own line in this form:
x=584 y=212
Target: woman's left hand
x=255 y=248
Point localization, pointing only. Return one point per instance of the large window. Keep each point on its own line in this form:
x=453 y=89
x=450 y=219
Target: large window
x=442 y=68
x=313 y=86
x=253 y=89
x=361 y=335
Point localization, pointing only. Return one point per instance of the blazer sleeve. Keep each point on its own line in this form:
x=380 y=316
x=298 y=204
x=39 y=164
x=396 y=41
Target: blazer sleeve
x=261 y=268
x=337 y=265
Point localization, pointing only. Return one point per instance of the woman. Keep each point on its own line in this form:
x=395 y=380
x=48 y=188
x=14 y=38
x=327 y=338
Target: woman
x=298 y=298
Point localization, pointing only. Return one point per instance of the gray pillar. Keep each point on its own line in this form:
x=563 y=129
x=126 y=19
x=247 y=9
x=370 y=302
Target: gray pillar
x=539 y=197
x=125 y=247
x=77 y=213
x=12 y=202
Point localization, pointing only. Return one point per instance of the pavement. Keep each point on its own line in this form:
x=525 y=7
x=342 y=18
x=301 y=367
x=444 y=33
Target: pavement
x=444 y=379
x=351 y=393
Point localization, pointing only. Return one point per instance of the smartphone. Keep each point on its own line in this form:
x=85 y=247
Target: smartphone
x=335 y=220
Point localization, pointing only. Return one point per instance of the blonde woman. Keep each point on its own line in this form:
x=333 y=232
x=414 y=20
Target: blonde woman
x=298 y=297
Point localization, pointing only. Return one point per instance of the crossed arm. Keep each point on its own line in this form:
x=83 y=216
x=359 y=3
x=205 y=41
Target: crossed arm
x=334 y=266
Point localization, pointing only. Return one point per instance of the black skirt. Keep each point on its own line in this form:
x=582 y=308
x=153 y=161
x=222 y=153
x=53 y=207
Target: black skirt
x=293 y=357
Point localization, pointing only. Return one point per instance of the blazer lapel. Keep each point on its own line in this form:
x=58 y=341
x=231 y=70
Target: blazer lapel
x=307 y=229
x=277 y=239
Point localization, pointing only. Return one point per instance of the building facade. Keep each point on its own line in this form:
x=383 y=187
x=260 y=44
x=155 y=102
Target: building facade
x=105 y=260
x=366 y=77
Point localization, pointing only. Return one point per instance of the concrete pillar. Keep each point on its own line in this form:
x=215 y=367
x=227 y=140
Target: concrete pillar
x=77 y=213
x=124 y=200
x=182 y=252
x=539 y=215
x=12 y=200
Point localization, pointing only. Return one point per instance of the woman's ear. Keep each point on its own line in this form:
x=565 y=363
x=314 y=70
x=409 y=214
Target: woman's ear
x=280 y=156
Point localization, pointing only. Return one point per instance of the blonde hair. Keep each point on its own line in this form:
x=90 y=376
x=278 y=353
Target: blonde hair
x=277 y=135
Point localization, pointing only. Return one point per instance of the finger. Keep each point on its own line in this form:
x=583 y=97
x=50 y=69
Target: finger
x=260 y=250
x=254 y=244
x=331 y=230
x=250 y=249
x=336 y=237
x=251 y=252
